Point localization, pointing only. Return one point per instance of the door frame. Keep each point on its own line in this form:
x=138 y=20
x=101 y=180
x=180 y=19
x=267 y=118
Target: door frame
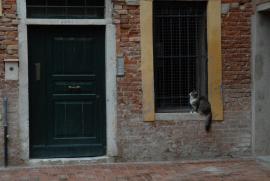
x=110 y=71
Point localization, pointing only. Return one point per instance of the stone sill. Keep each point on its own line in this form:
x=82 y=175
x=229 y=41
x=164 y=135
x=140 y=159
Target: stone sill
x=70 y=161
x=178 y=117
x=263 y=7
x=32 y=21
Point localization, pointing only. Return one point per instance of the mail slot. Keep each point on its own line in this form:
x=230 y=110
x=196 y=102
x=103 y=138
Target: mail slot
x=74 y=86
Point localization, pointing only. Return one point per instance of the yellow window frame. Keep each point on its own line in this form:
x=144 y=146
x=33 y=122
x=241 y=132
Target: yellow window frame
x=214 y=58
x=0 y=7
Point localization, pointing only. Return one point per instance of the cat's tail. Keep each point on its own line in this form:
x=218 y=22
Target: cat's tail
x=208 y=123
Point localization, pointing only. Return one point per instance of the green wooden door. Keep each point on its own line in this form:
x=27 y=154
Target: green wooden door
x=67 y=91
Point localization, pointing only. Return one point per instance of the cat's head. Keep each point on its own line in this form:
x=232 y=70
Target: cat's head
x=194 y=94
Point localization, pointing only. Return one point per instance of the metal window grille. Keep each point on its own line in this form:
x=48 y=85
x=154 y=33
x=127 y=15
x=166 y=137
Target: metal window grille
x=180 y=55
x=74 y=9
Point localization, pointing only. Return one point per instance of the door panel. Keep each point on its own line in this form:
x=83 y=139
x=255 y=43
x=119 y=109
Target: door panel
x=74 y=51
x=67 y=91
x=73 y=114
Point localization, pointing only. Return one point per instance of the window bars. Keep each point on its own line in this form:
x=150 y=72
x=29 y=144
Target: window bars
x=73 y=9
x=180 y=55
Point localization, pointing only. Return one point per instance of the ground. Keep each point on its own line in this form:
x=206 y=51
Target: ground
x=222 y=170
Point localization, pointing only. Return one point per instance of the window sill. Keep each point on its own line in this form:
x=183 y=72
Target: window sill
x=178 y=117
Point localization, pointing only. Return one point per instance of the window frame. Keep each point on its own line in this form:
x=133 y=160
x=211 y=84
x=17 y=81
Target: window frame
x=214 y=61
x=65 y=8
x=1 y=9
x=186 y=23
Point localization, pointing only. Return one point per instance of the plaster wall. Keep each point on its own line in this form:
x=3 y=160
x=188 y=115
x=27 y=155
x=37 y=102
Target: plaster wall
x=261 y=84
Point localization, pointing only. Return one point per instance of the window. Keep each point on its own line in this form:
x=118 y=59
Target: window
x=213 y=87
x=73 y=9
x=180 y=53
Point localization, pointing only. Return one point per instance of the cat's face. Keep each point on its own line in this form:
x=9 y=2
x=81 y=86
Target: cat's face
x=194 y=94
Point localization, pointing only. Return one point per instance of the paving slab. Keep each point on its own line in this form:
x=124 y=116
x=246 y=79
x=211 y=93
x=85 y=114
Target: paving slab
x=225 y=170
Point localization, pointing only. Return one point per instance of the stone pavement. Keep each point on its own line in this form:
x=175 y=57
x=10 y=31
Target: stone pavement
x=226 y=170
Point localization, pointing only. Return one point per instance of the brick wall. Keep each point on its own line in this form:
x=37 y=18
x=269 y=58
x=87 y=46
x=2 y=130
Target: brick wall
x=9 y=50
x=170 y=140
x=160 y=140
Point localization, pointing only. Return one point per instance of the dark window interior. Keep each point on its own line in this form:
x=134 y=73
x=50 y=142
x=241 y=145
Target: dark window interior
x=180 y=53
x=73 y=9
